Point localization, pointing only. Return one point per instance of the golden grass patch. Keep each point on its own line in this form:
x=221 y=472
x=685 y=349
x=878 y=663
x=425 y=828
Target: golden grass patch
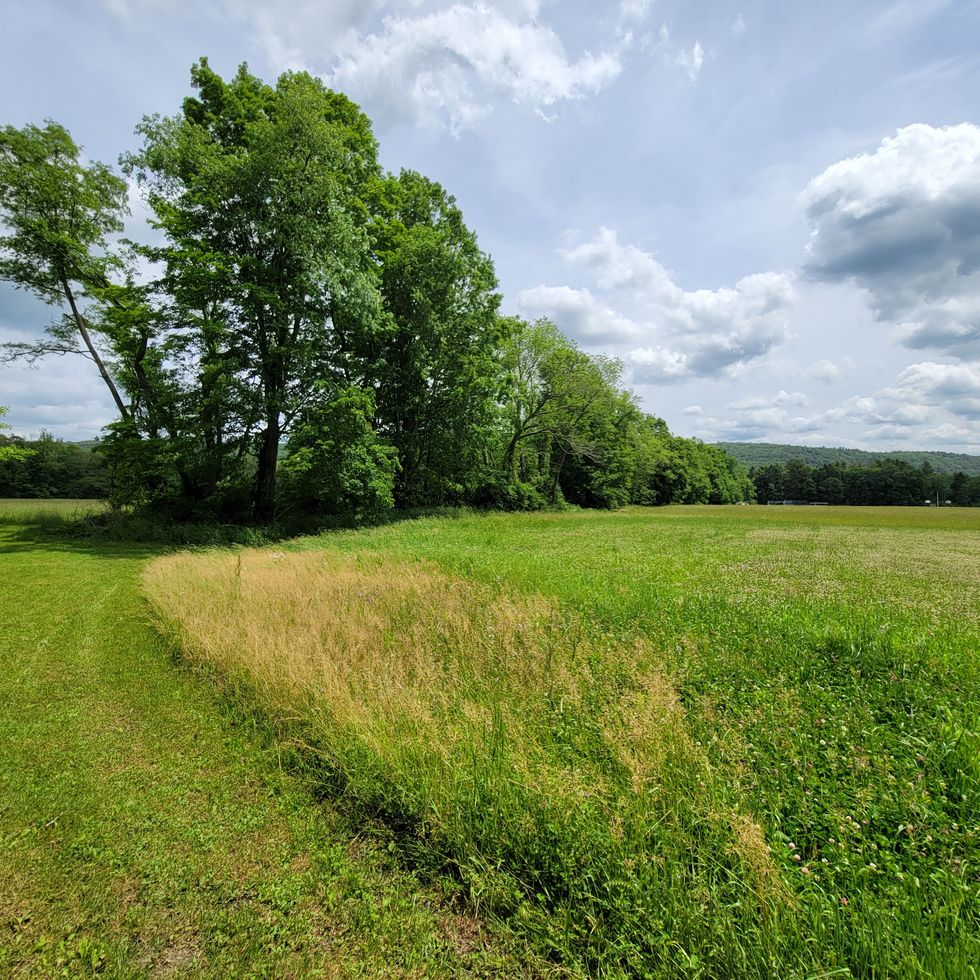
x=493 y=719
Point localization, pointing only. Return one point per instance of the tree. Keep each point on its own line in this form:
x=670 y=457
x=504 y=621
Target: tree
x=57 y=215
x=434 y=362
x=10 y=452
x=335 y=462
x=550 y=388
x=597 y=468
x=267 y=258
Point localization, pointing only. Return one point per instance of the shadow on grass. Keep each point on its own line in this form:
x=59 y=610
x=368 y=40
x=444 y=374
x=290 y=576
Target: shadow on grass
x=110 y=534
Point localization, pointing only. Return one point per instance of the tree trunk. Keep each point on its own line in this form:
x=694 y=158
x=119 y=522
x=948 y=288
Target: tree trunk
x=264 y=505
x=83 y=330
x=557 y=475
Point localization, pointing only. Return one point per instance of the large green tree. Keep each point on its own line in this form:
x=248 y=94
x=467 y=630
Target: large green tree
x=435 y=363
x=268 y=267
x=299 y=296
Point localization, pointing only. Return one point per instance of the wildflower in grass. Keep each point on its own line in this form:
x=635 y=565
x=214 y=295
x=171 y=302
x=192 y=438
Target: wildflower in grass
x=805 y=870
x=843 y=900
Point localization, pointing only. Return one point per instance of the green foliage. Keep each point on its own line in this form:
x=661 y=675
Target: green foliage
x=886 y=482
x=433 y=363
x=335 y=463
x=57 y=213
x=291 y=264
x=273 y=312
x=48 y=467
x=759 y=454
x=10 y=451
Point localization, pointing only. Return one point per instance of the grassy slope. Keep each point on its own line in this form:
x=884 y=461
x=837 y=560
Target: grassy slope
x=143 y=832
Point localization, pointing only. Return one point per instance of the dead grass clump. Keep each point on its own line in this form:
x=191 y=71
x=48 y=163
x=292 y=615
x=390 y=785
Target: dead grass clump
x=749 y=844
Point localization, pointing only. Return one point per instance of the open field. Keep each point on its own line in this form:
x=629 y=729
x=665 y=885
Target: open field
x=147 y=829
x=688 y=742
x=31 y=511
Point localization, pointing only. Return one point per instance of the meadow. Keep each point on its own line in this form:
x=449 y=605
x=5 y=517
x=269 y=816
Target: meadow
x=148 y=826
x=705 y=742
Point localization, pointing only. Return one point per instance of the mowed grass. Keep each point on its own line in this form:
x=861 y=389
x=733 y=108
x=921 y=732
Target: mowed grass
x=147 y=829
x=707 y=742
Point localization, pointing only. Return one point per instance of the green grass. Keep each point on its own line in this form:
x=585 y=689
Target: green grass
x=148 y=829
x=824 y=662
x=50 y=511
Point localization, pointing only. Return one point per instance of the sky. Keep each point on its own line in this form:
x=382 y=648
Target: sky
x=769 y=211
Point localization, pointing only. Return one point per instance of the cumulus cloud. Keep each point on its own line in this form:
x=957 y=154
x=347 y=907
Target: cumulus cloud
x=580 y=313
x=453 y=63
x=306 y=31
x=954 y=387
x=675 y=334
x=881 y=410
x=765 y=424
x=903 y=223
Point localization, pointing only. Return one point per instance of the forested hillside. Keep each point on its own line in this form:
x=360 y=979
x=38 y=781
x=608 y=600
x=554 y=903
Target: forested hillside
x=764 y=453
x=49 y=467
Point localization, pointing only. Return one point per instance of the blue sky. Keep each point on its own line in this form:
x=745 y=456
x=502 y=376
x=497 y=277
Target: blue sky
x=769 y=211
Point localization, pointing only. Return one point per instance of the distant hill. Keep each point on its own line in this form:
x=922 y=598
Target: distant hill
x=763 y=453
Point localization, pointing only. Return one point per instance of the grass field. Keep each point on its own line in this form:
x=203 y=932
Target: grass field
x=36 y=511
x=706 y=742
x=148 y=829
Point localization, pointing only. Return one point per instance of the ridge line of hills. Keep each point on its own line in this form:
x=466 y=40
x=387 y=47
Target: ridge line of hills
x=767 y=453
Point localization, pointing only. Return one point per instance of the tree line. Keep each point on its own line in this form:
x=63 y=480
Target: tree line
x=304 y=331
x=886 y=482
x=764 y=453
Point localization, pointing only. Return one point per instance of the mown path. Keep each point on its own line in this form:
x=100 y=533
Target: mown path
x=144 y=833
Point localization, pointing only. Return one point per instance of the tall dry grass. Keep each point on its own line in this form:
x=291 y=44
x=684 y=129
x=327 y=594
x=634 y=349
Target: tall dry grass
x=552 y=771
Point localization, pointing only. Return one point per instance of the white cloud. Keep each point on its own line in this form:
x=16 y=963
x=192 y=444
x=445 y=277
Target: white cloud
x=581 y=314
x=828 y=372
x=634 y=9
x=691 y=60
x=452 y=64
x=953 y=387
x=903 y=223
x=781 y=398
x=761 y=424
x=296 y=34
x=658 y=365
x=677 y=334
